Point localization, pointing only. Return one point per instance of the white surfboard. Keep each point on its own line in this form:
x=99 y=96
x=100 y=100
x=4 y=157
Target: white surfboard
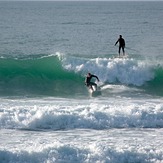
x=121 y=56
x=95 y=92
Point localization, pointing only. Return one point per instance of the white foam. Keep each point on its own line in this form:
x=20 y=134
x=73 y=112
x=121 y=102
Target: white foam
x=76 y=114
x=85 y=130
x=82 y=146
x=125 y=71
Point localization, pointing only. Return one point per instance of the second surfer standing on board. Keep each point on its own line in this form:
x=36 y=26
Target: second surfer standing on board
x=121 y=44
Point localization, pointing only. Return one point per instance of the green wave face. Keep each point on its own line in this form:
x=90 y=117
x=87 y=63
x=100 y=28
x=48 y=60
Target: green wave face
x=155 y=86
x=37 y=76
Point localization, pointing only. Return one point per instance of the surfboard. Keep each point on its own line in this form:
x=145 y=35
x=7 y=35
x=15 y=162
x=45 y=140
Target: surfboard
x=121 y=56
x=94 y=92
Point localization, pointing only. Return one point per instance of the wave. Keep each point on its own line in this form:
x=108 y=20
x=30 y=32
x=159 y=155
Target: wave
x=42 y=75
x=62 y=75
x=112 y=70
x=130 y=72
x=155 y=86
x=97 y=152
x=49 y=114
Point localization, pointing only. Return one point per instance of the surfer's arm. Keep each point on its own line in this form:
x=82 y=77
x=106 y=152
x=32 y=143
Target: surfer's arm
x=96 y=77
x=116 y=42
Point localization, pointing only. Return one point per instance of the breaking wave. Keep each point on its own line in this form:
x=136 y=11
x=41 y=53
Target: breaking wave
x=61 y=75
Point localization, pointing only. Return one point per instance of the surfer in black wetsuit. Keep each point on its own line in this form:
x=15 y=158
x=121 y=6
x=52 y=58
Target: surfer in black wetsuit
x=121 y=44
x=88 y=82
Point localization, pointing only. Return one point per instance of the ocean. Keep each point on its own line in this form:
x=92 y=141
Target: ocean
x=46 y=112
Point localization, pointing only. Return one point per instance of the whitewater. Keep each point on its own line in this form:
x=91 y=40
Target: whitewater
x=46 y=112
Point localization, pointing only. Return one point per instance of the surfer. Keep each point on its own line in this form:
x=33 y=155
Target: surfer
x=121 y=44
x=88 y=82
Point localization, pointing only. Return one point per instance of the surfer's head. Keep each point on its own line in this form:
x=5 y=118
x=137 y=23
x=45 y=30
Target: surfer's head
x=89 y=74
x=120 y=36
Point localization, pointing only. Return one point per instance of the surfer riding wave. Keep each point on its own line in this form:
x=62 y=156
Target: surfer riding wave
x=88 y=82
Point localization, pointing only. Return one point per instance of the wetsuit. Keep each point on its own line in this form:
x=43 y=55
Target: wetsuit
x=88 y=81
x=121 y=44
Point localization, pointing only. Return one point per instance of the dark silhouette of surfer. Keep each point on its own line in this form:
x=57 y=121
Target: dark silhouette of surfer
x=121 y=44
x=88 y=82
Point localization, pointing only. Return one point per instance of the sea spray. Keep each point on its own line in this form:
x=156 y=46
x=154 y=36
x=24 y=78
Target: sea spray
x=112 y=70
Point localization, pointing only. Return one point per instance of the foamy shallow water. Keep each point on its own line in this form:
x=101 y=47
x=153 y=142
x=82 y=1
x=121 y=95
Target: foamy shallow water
x=100 y=130
x=80 y=145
